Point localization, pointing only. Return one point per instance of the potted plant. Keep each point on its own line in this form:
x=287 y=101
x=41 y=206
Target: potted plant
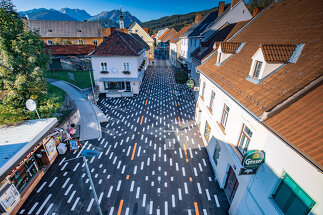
x=126 y=72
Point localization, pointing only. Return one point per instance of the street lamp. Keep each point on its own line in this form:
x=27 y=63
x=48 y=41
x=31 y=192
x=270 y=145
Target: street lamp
x=94 y=97
x=32 y=106
x=85 y=154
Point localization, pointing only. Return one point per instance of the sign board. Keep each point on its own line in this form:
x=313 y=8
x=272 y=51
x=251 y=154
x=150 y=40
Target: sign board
x=196 y=89
x=73 y=144
x=70 y=76
x=244 y=171
x=190 y=83
x=252 y=159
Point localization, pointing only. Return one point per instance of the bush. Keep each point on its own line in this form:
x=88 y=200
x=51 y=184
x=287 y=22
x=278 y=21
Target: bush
x=181 y=76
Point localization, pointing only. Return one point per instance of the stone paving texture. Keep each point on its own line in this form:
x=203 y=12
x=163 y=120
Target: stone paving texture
x=90 y=122
x=152 y=159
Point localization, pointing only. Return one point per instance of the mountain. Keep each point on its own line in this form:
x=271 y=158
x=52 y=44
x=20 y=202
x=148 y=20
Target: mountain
x=45 y=14
x=77 y=14
x=107 y=23
x=175 y=21
x=114 y=16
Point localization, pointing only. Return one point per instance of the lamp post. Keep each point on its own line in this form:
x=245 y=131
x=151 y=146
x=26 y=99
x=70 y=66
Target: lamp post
x=32 y=106
x=94 y=97
x=85 y=154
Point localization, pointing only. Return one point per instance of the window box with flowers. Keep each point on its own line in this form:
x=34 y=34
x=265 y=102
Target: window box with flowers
x=104 y=72
x=126 y=72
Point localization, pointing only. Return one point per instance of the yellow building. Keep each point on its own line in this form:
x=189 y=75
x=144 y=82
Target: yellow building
x=67 y=32
x=135 y=28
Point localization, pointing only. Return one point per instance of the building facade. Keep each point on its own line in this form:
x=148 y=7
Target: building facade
x=119 y=64
x=253 y=96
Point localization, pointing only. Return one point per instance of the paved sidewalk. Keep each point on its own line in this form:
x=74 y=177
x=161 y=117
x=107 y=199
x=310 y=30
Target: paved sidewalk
x=90 y=127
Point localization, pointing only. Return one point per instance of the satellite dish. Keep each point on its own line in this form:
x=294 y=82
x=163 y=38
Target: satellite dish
x=31 y=105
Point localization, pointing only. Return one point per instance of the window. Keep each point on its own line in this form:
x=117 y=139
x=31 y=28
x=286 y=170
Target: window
x=136 y=30
x=244 y=139
x=212 y=100
x=216 y=154
x=220 y=56
x=203 y=89
x=257 y=69
x=225 y=115
x=207 y=131
x=104 y=67
x=50 y=42
x=95 y=42
x=80 y=42
x=291 y=198
x=114 y=85
x=126 y=67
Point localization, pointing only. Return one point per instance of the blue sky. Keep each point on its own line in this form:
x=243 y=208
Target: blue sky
x=144 y=10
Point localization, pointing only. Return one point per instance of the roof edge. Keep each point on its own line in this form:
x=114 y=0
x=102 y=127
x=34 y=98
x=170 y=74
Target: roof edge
x=266 y=115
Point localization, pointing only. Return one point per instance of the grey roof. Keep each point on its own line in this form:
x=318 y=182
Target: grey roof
x=49 y=28
x=205 y=23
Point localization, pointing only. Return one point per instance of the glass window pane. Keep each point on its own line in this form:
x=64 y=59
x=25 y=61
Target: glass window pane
x=282 y=196
x=247 y=131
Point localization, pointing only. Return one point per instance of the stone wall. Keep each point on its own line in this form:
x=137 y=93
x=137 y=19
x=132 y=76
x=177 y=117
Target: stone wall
x=71 y=63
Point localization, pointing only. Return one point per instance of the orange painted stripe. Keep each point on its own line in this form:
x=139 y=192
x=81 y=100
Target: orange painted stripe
x=196 y=209
x=141 y=119
x=173 y=92
x=148 y=91
x=175 y=103
x=133 y=152
x=185 y=152
x=191 y=179
x=120 y=207
x=127 y=177
x=179 y=121
x=146 y=101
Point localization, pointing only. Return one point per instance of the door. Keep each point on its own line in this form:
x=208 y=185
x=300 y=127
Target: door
x=128 y=87
x=231 y=185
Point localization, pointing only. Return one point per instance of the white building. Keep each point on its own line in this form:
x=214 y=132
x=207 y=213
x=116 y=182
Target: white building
x=209 y=25
x=119 y=64
x=263 y=92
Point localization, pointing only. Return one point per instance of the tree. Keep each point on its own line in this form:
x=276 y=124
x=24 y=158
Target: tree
x=252 y=4
x=22 y=63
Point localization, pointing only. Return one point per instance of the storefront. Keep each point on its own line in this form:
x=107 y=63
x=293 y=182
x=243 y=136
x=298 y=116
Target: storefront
x=26 y=153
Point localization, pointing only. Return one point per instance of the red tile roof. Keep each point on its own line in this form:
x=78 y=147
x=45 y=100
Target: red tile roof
x=119 y=44
x=167 y=36
x=180 y=33
x=277 y=53
x=70 y=49
x=163 y=34
x=229 y=47
x=146 y=30
x=301 y=125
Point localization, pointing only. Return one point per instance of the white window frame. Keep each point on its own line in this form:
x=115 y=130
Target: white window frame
x=80 y=42
x=50 y=42
x=243 y=146
x=212 y=100
x=104 y=66
x=225 y=115
x=95 y=42
x=126 y=66
x=256 y=69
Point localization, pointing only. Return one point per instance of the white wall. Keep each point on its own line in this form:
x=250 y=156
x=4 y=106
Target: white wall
x=173 y=53
x=252 y=196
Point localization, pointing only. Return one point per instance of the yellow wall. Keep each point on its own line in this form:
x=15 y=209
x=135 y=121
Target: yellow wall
x=143 y=34
x=73 y=40
x=178 y=48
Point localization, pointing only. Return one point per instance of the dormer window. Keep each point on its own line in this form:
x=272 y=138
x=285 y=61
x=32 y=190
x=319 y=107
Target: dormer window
x=269 y=58
x=226 y=50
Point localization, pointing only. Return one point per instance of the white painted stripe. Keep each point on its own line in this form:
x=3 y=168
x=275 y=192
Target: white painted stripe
x=110 y=191
x=204 y=212
x=127 y=211
x=100 y=197
x=49 y=208
x=71 y=197
x=90 y=205
x=199 y=188
x=151 y=207
x=189 y=212
x=22 y=211
x=166 y=208
x=183 y=170
x=68 y=190
x=60 y=163
x=44 y=203
x=119 y=184
x=195 y=172
x=33 y=208
x=180 y=153
x=138 y=192
x=128 y=152
x=111 y=211
x=179 y=194
x=135 y=170
x=64 y=166
x=77 y=165
x=64 y=185
x=173 y=201
x=144 y=201
x=208 y=194
x=123 y=169
x=216 y=201
x=204 y=162
x=41 y=187
x=200 y=166
x=100 y=155
x=78 y=155
x=53 y=181
x=185 y=188
x=132 y=185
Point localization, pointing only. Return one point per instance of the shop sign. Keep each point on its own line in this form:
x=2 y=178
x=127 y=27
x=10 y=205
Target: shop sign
x=39 y=155
x=244 y=171
x=73 y=144
x=190 y=83
x=252 y=159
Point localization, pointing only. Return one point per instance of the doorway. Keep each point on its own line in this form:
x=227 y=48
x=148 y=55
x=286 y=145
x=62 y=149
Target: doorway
x=231 y=185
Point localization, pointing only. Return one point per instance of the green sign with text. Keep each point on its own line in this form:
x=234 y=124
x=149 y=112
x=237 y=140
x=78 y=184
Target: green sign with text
x=252 y=159
x=190 y=83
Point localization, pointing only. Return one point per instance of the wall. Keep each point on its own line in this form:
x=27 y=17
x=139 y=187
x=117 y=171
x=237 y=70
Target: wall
x=73 y=40
x=252 y=196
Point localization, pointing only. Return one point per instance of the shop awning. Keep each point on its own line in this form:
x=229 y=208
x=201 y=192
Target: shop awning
x=18 y=141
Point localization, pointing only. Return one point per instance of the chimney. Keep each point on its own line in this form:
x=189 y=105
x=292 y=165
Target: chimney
x=234 y=2
x=256 y=11
x=129 y=25
x=221 y=7
x=84 y=20
x=198 y=17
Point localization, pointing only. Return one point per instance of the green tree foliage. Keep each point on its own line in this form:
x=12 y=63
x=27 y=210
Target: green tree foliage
x=22 y=63
x=181 y=76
